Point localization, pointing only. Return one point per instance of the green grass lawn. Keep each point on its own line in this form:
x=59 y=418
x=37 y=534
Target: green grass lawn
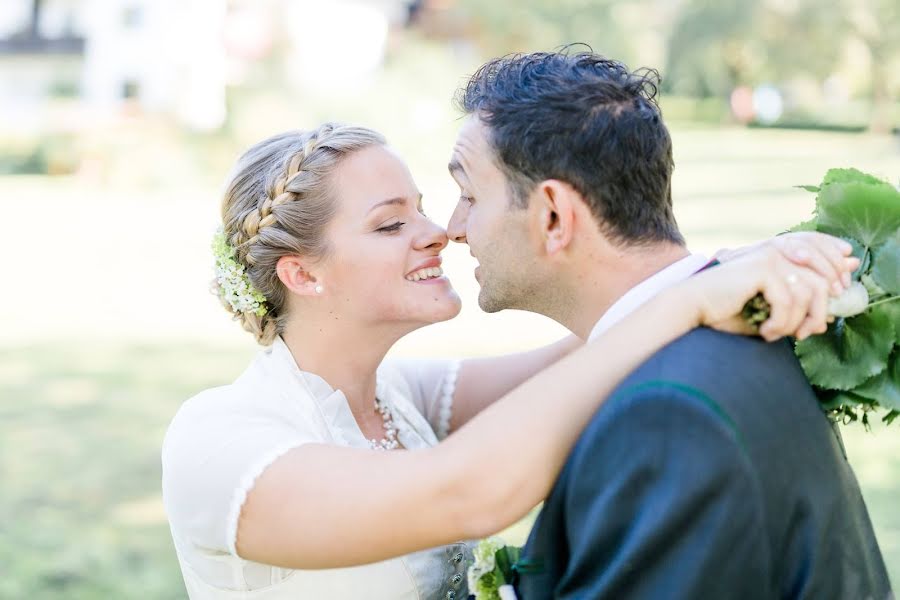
x=81 y=422
x=80 y=429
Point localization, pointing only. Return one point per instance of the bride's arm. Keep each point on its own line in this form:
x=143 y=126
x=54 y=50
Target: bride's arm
x=323 y=506
x=481 y=381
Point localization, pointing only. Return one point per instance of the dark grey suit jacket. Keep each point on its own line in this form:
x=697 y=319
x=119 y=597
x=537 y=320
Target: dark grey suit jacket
x=711 y=472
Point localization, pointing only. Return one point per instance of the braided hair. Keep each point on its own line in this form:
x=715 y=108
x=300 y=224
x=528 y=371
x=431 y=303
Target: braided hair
x=278 y=202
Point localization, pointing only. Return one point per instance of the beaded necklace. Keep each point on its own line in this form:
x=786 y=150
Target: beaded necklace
x=390 y=430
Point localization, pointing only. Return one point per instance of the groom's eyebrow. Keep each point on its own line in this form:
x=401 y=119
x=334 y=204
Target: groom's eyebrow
x=455 y=167
x=458 y=172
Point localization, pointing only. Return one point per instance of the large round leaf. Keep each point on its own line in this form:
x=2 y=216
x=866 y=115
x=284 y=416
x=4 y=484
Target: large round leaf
x=847 y=176
x=850 y=352
x=868 y=212
x=891 y=311
x=884 y=388
x=862 y=253
x=886 y=266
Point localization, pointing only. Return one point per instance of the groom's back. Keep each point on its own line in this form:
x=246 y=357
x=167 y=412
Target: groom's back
x=820 y=535
x=727 y=479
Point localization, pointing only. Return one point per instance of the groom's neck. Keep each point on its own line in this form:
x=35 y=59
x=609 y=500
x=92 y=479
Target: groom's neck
x=604 y=280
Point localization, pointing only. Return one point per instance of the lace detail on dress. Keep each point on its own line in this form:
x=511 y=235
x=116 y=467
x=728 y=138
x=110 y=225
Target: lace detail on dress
x=240 y=494
x=445 y=401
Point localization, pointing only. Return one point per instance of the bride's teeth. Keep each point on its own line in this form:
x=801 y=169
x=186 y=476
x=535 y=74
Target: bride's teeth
x=425 y=274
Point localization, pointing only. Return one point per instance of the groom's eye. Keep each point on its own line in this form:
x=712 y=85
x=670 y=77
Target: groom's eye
x=468 y=199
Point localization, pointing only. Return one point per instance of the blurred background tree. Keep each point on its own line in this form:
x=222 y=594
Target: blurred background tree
x=120 y=118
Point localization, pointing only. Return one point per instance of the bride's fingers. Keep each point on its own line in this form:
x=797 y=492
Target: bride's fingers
x=779 y=297
x=817 y=310
x=827 y=262
x=801 y=297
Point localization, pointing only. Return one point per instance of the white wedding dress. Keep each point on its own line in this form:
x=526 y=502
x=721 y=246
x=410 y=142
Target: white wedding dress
x=222 y=439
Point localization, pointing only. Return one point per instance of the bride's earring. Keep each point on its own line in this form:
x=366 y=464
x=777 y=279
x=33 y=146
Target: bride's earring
x=319 y=289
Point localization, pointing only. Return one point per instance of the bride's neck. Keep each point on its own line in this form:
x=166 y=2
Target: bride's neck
x=346 y=357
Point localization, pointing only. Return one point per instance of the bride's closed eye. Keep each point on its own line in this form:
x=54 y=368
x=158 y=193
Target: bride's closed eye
x=392 y=228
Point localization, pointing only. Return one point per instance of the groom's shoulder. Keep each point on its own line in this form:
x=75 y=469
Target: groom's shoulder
x=732 y=378
x=724 y=365
x=701 y=352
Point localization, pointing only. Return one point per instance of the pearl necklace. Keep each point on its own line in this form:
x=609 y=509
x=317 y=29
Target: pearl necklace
x=390 y=430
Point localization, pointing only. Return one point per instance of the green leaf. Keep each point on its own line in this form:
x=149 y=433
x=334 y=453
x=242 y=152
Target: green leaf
x=860 y=252
x=884 y=388
x=886 y=266
x=891 y=311
x=850 y=352
x=804 y=226
x=868 y=212
x=848 y=176
x=809 y=188
x=841 y=401
x=873 y=288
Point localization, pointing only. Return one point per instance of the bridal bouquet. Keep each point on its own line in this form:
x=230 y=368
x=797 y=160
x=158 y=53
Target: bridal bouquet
x=854 y=367
x=491 y=575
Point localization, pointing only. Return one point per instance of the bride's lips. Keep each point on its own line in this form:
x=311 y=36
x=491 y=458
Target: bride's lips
x=432 y=262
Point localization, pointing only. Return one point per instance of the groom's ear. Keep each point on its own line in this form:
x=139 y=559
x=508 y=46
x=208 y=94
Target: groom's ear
x=557 y=203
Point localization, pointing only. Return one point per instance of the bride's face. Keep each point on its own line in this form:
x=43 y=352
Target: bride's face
x=384 y=265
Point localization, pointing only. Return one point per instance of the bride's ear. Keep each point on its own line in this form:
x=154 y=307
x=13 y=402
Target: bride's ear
x=292 y=272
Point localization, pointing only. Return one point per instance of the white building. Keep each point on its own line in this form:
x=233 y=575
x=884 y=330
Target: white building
x=159 y=55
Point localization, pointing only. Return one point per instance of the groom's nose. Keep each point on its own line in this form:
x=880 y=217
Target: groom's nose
x=456 y=228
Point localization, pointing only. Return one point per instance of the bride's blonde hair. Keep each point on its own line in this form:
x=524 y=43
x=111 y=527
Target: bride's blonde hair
x=278 y=201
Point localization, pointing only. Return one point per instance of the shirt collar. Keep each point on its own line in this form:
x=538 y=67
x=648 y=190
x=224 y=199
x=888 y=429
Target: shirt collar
x=633 y=298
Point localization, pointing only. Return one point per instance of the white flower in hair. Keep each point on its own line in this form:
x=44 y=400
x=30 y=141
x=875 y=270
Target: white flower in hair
x=233 y=285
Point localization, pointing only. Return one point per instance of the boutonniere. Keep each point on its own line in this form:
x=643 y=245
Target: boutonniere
x=491 y=575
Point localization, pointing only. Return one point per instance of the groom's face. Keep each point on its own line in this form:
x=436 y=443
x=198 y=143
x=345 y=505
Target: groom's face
x=486 y=219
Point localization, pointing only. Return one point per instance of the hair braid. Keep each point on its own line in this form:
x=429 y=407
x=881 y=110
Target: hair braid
x=263 y=216
x=277 y=203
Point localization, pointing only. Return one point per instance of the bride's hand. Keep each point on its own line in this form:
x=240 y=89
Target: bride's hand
x=798 y=295
x=821 y=252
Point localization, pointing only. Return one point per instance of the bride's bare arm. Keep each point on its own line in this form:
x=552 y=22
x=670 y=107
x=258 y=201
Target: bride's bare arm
x=323 y=506
x=482 y=381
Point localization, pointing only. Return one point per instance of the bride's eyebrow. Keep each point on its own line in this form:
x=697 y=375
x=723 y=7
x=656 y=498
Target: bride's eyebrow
x=396 y=200
x=388 y=202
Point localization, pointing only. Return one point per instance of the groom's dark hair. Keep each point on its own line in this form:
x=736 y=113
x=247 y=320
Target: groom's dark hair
x=586 y=120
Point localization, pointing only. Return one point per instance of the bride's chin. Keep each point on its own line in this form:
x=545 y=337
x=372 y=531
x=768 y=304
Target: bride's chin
x=450 y=309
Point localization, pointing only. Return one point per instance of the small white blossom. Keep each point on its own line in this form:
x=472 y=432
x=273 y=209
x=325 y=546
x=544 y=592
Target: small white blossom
x=851 y=302
x=233 y=285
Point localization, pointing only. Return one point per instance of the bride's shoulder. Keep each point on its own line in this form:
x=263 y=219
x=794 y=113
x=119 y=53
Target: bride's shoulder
x=200 y=411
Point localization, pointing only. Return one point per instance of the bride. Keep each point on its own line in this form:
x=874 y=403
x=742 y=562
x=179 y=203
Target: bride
x=325 y=471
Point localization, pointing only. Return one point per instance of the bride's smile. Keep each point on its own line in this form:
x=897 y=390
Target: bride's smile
x=384 y=263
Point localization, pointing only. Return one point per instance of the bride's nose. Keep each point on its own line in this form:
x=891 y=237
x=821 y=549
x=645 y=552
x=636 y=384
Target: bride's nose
x=432 y=236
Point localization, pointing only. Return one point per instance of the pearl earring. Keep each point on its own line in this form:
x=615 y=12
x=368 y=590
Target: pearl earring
x=319 y=289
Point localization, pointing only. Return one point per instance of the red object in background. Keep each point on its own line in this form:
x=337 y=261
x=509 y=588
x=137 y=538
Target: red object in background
x=742 y=104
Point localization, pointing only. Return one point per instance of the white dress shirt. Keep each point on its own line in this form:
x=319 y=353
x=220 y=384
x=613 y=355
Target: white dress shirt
x=633 y=298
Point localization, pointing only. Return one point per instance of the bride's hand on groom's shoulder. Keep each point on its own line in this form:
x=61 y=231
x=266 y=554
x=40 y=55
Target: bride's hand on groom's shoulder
x=795 y=289
x=823 y=253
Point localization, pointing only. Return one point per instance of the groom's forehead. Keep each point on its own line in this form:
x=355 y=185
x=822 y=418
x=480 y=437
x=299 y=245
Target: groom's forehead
x=470 y=148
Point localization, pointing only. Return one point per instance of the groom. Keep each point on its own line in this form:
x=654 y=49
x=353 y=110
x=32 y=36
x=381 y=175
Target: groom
x=711 y=472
